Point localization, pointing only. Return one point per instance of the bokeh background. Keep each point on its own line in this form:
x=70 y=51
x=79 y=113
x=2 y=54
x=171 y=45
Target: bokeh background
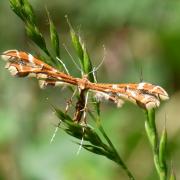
x=142 y=41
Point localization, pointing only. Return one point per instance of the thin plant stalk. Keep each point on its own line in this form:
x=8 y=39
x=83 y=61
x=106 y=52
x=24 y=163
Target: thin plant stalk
x=156 y=144
x=117 y=158
x=119 y=161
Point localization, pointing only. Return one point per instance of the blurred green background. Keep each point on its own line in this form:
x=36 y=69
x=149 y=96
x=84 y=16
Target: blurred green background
x=142 y=40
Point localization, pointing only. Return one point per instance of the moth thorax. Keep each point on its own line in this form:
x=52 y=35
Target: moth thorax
x=82 y=83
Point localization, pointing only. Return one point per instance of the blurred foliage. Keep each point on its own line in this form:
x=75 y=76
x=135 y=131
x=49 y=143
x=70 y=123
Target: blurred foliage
x=142 y=40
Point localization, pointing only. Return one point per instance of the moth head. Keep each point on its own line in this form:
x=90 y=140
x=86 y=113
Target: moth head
x=9 y=54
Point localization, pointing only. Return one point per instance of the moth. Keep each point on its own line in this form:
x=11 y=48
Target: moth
x=143 y=94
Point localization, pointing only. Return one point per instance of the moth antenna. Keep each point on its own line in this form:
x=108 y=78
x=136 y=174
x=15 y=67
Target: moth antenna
x=94 y=75
x=72 y=59
x=141 y=74
x=64 y=66
x=100 y=64
x=102 y=61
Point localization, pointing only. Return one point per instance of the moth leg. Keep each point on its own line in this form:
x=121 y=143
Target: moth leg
x=69 y=101
x=55 y=131
x=83 y=121
x=81 y=106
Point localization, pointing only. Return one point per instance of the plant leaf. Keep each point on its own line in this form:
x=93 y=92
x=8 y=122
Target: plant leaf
x=162 y=150
x=95 y=149
x=54 y=36
x=82 y=53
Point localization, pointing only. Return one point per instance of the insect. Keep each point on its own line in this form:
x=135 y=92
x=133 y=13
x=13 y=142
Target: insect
x=145 y=95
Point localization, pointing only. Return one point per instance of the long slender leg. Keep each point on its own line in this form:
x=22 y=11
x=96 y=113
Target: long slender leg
x=55 y=132
x=83 y=122
x=69 y=101
x=80 y=106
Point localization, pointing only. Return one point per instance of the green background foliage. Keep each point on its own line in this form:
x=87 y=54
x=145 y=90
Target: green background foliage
x=142 y=41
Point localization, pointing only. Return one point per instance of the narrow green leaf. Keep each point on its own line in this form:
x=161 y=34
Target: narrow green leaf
x=54 y=36
x=95 y=149
x=82 y=53
x=87 y=65
x=61 y=115
x=76 y=43
x=35 y=35
x=162 y=150
x=93 y=137
x=29 y=12
x=24 y=10
x=74 y=131
x=14 y=2
x=17 y=7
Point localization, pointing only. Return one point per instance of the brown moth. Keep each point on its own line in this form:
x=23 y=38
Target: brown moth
x=145 y=95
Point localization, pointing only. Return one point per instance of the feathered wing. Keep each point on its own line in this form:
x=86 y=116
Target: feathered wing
x=21 y=64
x=144 y=94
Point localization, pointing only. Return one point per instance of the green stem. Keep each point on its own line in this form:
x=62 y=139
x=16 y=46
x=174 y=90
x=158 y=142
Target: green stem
x=151 y=131
x=118 y=158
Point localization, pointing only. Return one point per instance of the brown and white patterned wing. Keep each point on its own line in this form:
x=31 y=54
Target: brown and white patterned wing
x=21 y=64
x=143 y=94
x=23 y=58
